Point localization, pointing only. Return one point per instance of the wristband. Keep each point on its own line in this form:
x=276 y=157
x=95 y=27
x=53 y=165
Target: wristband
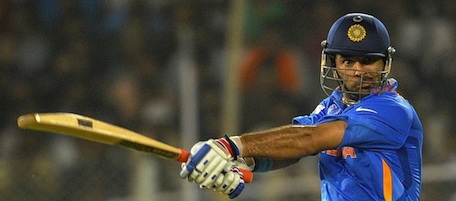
x=231 y=144
x=262 y=164
x=233 y=147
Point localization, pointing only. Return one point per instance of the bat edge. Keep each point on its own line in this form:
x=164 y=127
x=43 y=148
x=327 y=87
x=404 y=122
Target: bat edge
x=27 y=120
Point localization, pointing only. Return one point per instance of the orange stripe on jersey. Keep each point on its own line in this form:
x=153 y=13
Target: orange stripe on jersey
x=387 y=182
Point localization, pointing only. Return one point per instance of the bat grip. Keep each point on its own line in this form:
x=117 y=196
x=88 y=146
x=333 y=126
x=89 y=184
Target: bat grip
x=248 y=175
x=183 y=156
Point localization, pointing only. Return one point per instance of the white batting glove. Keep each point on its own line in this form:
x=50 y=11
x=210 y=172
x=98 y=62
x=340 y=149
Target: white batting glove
x=232 y=181
x=205 y=163
x=210 y=165
x=229 y=182
x=210 y=154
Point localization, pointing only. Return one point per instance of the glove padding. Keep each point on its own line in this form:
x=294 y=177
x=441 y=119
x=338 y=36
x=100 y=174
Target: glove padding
x=210 y=165
x=230 y=182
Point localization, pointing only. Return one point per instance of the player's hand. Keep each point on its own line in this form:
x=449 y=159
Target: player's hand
x=210 y=165
x=209 y=157
x=230 y=182
x=236 y=175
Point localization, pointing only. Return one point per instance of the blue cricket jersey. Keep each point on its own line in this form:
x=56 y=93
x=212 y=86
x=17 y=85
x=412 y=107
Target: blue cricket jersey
x=380 y=156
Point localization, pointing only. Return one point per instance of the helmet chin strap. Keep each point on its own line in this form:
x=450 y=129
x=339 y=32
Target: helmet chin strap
x=351 y=97
x=348 y=101
x=348 y=97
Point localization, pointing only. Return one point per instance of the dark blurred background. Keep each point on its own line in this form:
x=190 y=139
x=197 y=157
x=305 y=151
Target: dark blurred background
x=161 y=67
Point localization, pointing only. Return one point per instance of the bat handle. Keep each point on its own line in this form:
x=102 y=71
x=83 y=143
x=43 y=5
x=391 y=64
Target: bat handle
x=248 y=175
x=183 y=156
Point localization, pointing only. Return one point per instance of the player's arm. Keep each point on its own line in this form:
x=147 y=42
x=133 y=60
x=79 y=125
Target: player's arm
x=292 y=141
x=286 y=145
x=280 y=147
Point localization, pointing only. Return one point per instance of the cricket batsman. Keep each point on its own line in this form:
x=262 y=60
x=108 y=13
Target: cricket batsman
x=368 y=137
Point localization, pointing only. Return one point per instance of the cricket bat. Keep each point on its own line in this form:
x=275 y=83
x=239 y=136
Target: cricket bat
x=90 y=129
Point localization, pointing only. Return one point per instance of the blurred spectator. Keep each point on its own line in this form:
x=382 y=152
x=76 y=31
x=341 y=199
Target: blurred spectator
x=259 y=15
x=271 y=55
x=269 y=68
x=118 y=61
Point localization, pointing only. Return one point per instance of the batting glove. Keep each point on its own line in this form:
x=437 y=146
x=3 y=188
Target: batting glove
x=229 y=182
x=235 y=177
x=210 y=165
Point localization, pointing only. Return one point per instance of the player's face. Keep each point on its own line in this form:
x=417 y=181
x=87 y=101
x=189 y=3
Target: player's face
x=359 y=74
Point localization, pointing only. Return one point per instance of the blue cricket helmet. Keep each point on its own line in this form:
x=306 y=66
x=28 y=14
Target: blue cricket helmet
x=354 y=34
x=357 y=34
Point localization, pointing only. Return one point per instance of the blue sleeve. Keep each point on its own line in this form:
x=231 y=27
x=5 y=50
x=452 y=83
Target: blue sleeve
x=381 y=126
x=319 y=112
x=306 y=119
x=327 y=106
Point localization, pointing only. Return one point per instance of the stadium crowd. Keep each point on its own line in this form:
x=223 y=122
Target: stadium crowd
x=119 y=60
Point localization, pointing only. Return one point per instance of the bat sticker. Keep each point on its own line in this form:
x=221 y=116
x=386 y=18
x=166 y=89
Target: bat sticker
x=85 y=123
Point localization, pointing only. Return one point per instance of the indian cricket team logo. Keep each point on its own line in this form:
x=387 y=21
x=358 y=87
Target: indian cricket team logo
x=356 y=33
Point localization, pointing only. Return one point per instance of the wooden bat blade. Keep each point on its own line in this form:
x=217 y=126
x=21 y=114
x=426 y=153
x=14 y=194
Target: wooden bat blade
x=98 y=131
x=87 y=128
